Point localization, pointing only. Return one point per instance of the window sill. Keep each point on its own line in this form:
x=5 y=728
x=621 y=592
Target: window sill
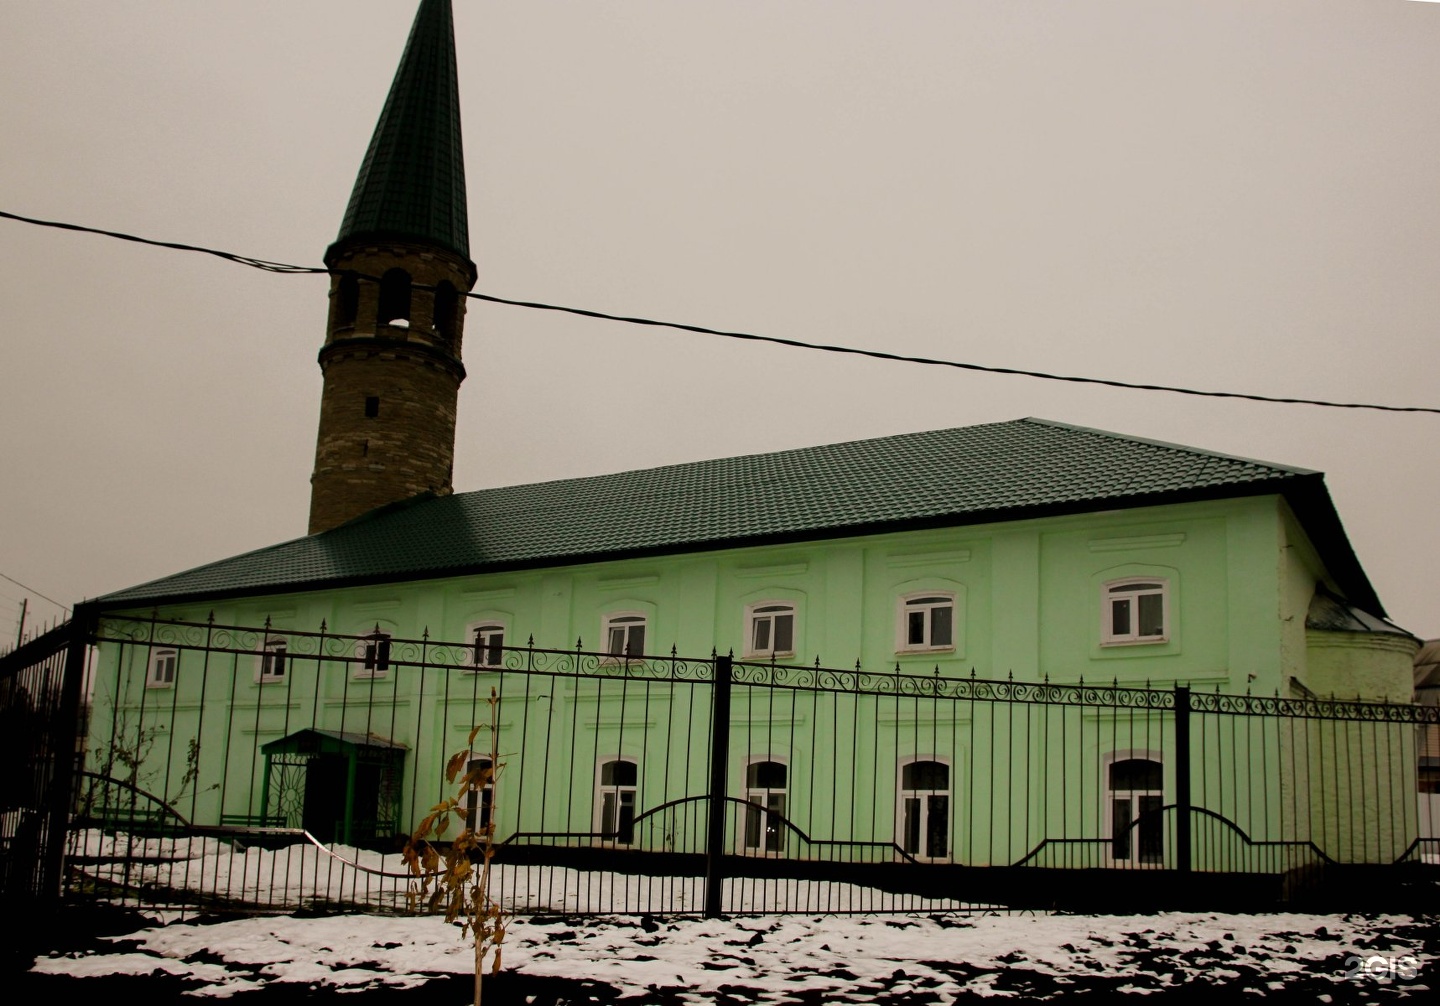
x=768 y=655
x=1146 y=641
x=920 y=651
x=372 y=675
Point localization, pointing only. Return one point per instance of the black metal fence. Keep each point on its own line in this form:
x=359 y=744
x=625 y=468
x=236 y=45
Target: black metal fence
x=259 y=767
x=41 y=684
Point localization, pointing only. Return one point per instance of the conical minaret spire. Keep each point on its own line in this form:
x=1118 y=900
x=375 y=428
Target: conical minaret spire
x=399 y=269
x=412 y=182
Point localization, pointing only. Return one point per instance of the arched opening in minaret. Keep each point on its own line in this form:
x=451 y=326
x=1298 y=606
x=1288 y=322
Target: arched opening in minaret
x=447 y=303
x=394 y=298
x=347 y=300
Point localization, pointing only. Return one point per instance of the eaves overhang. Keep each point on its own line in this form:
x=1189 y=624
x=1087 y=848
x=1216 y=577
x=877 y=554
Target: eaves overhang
x=1304 y=492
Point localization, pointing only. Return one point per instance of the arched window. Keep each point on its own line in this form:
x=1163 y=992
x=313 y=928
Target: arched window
x=274 y=659
x=163 y=665
x=446 y=315
x=765 y=787
x=1136 y=790
x=615 y=800
x=625 y=635
x=1134 y=611
x=374 y=654
x=488 y=645
x=771 y=629
x=924 y=811
x=927 y=622
x=394 y=298
x=347 y=300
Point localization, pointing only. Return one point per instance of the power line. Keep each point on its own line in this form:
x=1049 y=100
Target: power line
x=37 y=593
x=282 y=267
x=254 y=263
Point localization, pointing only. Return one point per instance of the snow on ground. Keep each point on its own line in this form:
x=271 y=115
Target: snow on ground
x=299 y=875
x=788 y=959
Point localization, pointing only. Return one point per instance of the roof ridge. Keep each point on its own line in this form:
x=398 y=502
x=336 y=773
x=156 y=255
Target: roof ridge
x=1169 y=445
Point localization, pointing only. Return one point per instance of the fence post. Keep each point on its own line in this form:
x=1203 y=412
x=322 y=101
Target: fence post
x=719 y=762
x=1182 y=778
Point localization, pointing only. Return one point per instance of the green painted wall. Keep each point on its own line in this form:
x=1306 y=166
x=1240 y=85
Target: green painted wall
x=1028 y=604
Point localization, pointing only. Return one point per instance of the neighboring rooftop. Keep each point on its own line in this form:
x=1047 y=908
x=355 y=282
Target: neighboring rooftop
x=971 y=475
x=411 y=184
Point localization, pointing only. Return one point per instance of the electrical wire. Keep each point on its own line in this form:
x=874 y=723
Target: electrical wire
x=35 y=592
x=285 y=268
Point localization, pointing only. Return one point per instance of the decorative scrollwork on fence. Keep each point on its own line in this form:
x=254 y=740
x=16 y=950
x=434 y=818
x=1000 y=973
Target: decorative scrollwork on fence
x=427 y=654
x=1358 y=710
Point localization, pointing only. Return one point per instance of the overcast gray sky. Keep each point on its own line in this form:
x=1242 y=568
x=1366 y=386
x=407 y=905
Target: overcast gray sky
x=1228 y=194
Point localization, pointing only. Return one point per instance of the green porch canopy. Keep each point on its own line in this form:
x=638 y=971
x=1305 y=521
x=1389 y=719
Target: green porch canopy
x=340 y=786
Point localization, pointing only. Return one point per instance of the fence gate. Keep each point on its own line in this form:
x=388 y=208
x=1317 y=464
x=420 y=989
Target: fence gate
x=40 y=689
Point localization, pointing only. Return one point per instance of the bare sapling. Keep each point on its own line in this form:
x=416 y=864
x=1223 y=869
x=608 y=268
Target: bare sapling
x=456 y=878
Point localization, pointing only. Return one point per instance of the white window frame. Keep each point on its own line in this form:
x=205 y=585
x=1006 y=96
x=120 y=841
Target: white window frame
x=922 y=852
x=618 y=792
x=275 y=649
x=376 y=664
x=163 y=667
x=626 y=621
x=911 y=603
x=1113 y=591
x=480 y=653
x=1134 y=797
x=769 y=837
x=768 y=614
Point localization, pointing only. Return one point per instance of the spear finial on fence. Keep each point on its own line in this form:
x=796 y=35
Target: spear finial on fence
x=425 y=634
x=211 y=617
x=267 y=625
x=531 y=641
x=322 y=625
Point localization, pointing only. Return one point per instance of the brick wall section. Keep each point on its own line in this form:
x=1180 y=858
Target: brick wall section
x=408 y=446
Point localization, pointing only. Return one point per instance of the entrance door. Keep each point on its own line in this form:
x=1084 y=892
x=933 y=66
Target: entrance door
x=325 y=779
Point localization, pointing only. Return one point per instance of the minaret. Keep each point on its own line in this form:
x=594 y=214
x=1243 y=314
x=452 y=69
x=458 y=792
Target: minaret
x=400 y=268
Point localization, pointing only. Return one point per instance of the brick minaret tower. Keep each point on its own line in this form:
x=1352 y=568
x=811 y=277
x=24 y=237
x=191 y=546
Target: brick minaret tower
x=400 y=268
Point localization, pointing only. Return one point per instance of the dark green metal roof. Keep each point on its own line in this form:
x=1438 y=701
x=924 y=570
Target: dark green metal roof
x=972 y=475
x=412 y=182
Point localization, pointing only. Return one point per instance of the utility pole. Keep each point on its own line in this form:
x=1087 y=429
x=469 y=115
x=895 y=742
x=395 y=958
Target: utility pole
x=20 y=634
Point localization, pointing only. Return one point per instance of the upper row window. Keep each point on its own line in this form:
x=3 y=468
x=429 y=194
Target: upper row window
x=771 y=631
x=1134 y=611
x=927 y=622
x=625 y=635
